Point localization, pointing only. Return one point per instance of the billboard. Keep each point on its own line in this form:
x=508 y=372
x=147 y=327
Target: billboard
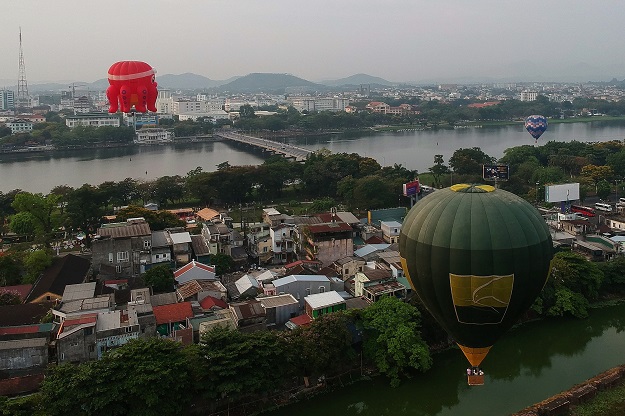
x=563 y=192
x=411 y=188
x=496 y=172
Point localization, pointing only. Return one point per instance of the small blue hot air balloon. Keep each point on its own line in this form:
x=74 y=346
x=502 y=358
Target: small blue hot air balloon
x=536 y=126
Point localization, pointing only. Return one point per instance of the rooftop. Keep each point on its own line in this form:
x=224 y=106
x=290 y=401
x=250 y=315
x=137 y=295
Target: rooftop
x=175 y=312
x=278 y=300
x=325 y=299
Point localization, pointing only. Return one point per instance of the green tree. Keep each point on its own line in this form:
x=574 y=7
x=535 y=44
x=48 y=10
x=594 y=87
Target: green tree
x=392 y=340
x=9 y=297
x=223 y=263
x=438 y=169
x=160 y=371
x=469 y=161
x=246 y=111
x=42 y=209
x=159 y=278
x=604 y=189
x=10 y=269
x=35 y=263
x=158 y=220
x=238 y=364
x=85 y=208
x=23 y=223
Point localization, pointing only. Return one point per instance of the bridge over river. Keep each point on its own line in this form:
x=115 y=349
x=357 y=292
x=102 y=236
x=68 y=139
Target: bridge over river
x=300 y=154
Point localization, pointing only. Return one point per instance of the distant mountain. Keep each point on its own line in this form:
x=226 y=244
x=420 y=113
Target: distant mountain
x=187 y=81
x=267 y=82
x=357 y=80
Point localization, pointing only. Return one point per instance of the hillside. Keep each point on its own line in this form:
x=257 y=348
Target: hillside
x=268 y=82
x=357 y=79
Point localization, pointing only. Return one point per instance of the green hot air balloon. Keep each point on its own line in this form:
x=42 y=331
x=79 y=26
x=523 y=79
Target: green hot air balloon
x=477 y=257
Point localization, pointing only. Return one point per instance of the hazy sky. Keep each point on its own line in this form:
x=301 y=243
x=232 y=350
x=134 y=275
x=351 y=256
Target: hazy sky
x=399 y=40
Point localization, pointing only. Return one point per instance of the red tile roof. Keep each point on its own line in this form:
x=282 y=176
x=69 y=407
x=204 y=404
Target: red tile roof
x=174 y=312
x=84 y=319
x=302 y=320
x=374 y=239
x=21 y=289
x=301 y=262
x=209 y=302
x=332 y=227
x=26 y=329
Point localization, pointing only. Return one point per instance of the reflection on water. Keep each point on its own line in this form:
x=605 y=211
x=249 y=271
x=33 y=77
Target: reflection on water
x=40 y=172
x=526 y=366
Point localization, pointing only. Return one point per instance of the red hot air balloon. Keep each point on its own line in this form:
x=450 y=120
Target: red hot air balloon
x=132 y=87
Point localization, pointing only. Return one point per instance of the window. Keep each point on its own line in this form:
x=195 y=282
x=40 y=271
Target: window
x=322 y=289
x=118 y=269
x=122 y=256
x=91 y=348
x=88 y=331
x=307 y=291
x=110 y=257
x=147 y=243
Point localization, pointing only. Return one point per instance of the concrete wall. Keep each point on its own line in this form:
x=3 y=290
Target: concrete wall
x=22 y=354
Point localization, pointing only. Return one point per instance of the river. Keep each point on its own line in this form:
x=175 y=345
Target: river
x=40 y=172
x=529 y=364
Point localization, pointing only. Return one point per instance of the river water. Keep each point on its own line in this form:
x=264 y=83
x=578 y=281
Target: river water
x=528 y=365
x=40 y=172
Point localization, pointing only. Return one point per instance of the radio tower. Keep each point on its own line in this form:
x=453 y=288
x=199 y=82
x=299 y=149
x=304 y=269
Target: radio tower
x=23 y=100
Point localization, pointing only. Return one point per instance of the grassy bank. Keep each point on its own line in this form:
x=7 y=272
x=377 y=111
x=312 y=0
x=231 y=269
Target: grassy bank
x=606 y=403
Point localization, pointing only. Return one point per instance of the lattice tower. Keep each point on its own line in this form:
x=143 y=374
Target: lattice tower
x=23 y=99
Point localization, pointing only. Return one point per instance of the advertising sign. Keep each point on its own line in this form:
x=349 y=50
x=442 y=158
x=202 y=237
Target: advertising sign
x=496 y=172
x=411 y=188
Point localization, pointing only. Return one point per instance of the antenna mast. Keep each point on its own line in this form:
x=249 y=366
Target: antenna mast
x=23 y=100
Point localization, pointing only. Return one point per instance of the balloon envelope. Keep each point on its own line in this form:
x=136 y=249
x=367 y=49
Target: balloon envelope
x=536 y=125
x=477 y=257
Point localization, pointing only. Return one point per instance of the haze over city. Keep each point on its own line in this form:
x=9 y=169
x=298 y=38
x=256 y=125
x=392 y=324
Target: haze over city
x=401 y=41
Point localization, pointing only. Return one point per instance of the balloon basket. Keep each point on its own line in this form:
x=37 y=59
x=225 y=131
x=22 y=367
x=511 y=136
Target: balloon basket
x=477 y=380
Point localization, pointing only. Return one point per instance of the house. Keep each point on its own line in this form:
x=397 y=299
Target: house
x=347 y=267
x=375 y=283
x=279 y=309
x=67 y=270
x=248 y=315
x=194 y=271
x=326 y=242
x=206 y=214
x=172 y=317
x=124 y=245
x=390 y=231
x=210 y=303
x=181 y=246
x=24 y=347
x=161 y=249
x=200 y=249
x=197 y=290
x=301 y=286
x=222 y=318
x=378 y=107
x=282 y=244
x=245 y=286
x=322 y=303
x=20 y=290
x=273 y=217
x=259 y=241
x=301 y=321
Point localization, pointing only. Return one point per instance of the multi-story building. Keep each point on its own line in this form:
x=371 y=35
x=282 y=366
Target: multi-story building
x=283 y=246
x=390 y=231
x=92 y=120
x=7 y=100
x=326 y=242
x=153 y=136
x=122 y=249
x=19 y=126
x=529 y=95
x=318 y=103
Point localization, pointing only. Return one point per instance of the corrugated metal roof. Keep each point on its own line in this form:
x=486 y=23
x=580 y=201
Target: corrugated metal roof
x=125 y=230
x=78 y=291
x=323 y=300
x=180 y=238
x=199 y=245
x=300 y=278
x=331 y=227
x=278 y=300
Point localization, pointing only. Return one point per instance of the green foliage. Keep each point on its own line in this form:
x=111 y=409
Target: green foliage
x=143 y=377
x=158 y=220
x=22 y=223
x=159 y=278
x=322 y=205
x=469 y=161
x=613 y=272
x=41 y=209
x=35 y=263
x=223 y=263
x=567 y=302
x=236 y=363
x=604 y=189
x=438 y=170
x=85 y=210
x=30 y=405
x=392 y=340
x=10 y=269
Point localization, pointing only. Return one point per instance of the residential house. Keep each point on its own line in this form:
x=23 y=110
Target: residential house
x=222 y=318
x=206 y=214
x=259 y=241
x=245 y=286
x=24 y=347
x=217 y=235
x=126 y=246
x=197 y=290
x=279 y=309
x=181 y=245
x=323 y=303
x=210 y=303
x=248 y=315
x=172 y=317
x=326 y=242
x=200 y=249
x=282 y=244
x=375 y=283
x=390 y=231
x=301 y=286
x=65 y=270
x=161 y=249
x=116 y=328
x=347 y=267
x=378 y=107
x=194 y=271
x=273 y=217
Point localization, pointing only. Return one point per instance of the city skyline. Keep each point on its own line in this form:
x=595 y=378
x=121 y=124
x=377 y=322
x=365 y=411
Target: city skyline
x=400 y=41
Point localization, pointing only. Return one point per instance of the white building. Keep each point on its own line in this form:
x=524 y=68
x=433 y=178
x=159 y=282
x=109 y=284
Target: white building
x=212 y=115
x=529 y=95
x=318 y=103
x=92 y=120
x=164 y=102
x=390 y=231
x=153 y=136
x=20 y=126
